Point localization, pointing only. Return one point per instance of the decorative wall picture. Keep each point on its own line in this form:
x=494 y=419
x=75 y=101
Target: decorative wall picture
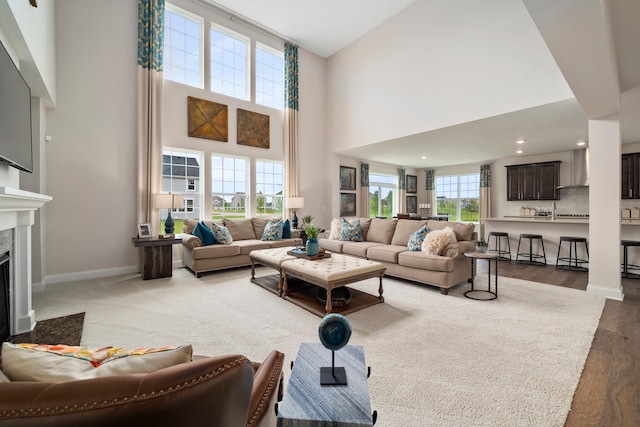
x=412 y=204
x=207 y=119
x=144 y=231
x=347 y=204
x=253 y=129
x=412 y=184
x=347 y=178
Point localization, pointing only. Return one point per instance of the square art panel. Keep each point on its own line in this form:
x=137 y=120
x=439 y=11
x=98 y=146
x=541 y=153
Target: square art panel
x=207 y=119
x=253 y=129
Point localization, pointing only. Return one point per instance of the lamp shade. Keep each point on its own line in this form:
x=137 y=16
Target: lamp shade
x=169 y=201
x=295 y=202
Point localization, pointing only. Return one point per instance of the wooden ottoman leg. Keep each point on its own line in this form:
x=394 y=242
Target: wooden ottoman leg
x=328 y=307
x=253 y=269
x=380 y=290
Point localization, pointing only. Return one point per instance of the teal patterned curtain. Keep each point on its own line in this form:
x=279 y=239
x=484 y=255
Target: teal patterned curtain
x=430 y=187
x=364 y=190
x=292 y=172
x=402 y=193
x=485 y=195
x=149 y=109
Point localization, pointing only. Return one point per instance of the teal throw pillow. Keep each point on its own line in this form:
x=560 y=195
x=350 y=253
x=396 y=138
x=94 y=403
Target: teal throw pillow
x=350 y=232
x=416 y=239
x=203 y=232
x=221 y=234
x=273 y=230
x=286 y=230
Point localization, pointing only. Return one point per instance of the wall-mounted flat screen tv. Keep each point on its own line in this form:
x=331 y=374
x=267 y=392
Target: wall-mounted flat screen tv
x=15 y=115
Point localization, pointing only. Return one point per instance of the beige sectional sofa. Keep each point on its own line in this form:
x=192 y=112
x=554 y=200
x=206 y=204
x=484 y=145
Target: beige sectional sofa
x=385 y=241
x=246 y=235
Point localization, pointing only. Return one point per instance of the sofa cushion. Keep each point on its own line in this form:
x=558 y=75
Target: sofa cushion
x=59 y=363
x=404 y=229
x=358 y=249
x=241 y=229
x=385 y=253
x=463 y=231
x=273 y=230
x=248 y=245
x=204 y=234
x=381 y=230
x=435 y=241
x=350 y=232
x=221 y=234
x=415 y=240
x=425 y=261
x=216 y=251
x=331 y=245
x=258 y=226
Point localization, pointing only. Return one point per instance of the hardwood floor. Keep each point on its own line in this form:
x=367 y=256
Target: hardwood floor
x=608 y=393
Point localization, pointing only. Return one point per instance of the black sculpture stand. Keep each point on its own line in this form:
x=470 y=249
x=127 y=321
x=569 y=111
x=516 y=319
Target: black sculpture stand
x=330 y=375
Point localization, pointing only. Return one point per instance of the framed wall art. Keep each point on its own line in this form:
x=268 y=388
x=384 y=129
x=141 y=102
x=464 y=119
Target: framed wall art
x=347 y=178
x=144 y=231
x=412 y=204
x=347 y=204
x=253 y=129
x=412 y=184
x=207 y=119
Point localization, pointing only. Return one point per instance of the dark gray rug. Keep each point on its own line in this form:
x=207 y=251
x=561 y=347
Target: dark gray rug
x=60 y=330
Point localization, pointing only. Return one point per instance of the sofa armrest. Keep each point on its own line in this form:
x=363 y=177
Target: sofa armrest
x=191 y=241
x=267 y=390
x=457 y=249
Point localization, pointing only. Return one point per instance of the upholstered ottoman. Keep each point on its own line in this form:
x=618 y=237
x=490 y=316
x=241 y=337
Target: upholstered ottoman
x=273 y=258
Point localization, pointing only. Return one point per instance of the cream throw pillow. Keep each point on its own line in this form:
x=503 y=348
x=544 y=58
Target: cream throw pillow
x=60 y=363
x=436 y=240
x=336 y=226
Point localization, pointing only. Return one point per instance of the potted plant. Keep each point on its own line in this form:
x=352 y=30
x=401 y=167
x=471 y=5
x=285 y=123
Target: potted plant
x=306 y=220
x=482 y=245
x=312 y=233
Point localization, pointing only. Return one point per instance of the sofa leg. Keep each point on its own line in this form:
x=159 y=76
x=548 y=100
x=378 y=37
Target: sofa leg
x=198 y=275
x=445 y=291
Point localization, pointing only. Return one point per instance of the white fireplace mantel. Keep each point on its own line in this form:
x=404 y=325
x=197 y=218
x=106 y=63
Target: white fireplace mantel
x=17 y=211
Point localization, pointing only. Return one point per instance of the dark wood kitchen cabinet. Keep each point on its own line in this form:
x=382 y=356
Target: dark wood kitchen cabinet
x=630 y=173
x=534 y=181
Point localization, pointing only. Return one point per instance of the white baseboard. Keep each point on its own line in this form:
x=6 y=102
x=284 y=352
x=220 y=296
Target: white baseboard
x=84 y=275
x=615 y=294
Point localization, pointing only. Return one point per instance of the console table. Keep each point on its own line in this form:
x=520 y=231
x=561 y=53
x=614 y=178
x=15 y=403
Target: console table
x=306 y=403
x=156 y=256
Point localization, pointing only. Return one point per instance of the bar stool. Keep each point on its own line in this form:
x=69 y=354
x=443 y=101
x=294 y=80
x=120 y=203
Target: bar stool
x=498 y=236
x=533 y=259
x=625 y=260
x=574 y=263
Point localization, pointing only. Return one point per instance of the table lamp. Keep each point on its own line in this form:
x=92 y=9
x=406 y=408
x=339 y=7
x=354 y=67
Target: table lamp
x=169 y=201
x=295 y=203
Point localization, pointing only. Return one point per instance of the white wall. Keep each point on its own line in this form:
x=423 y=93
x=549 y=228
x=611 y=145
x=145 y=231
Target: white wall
x=436 y=64
x=91 y=162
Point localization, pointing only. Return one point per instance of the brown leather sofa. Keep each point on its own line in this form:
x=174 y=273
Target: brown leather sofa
x=225 y=391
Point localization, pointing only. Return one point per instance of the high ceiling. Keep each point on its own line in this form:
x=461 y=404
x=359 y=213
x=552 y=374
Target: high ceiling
x=326 y=27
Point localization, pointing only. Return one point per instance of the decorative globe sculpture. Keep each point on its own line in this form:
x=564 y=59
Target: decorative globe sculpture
x=334 y=331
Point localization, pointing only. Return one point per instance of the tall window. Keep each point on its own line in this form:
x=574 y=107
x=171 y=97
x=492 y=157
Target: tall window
x=182 y=46
x=180 y=170
x=269 y=77
x=459 y=196
x=229 y=59
x=269 y=184
x=229 y=186
x=381 y=188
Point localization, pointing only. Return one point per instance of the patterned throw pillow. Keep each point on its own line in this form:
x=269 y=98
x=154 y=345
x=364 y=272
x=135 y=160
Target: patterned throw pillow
x=273 y=230
x=203 y=232
x=350 y=232
x=221 y=234
x=416 y=239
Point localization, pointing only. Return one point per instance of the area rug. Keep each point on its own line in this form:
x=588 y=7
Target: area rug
x=436 y=360
x=60 y=330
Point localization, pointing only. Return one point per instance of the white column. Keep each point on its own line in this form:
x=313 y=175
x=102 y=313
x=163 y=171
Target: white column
x=604 y=207
x=23 y=314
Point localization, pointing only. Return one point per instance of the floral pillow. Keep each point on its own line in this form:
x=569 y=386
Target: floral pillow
x=350 y=232
x=221 y=234
x=204 y=233
x=273 y=230
x=416 y=239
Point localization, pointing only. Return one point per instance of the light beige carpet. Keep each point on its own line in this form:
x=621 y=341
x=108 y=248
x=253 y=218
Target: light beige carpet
x=436 y=360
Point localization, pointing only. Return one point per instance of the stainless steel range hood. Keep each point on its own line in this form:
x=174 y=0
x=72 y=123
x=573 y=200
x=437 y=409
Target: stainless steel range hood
x=579 y=169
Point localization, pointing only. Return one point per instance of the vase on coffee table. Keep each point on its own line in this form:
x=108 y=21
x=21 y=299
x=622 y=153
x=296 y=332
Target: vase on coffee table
x=312 y=246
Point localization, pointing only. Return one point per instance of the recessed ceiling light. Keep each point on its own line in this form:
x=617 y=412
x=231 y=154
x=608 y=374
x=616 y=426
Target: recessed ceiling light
x=424 y=157
x=519 y=152
x=580 y=143
x=520 y=141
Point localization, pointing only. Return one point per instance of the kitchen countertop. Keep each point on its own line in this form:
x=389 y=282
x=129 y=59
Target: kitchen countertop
x=564 y=220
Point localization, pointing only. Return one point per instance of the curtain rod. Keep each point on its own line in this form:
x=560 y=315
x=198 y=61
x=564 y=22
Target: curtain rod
x=234 y=16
